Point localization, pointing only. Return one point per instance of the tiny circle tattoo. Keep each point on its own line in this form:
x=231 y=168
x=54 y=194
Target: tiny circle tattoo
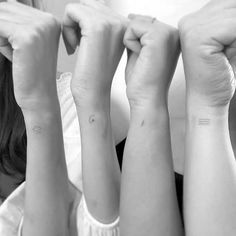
x=92 y=119
x=37 y=129
x=204 y=122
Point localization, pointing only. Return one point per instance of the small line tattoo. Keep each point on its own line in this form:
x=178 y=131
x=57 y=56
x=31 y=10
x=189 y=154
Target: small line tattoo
x=204 y=122
x=37 y=129
x=142 y=124
x=92 y=119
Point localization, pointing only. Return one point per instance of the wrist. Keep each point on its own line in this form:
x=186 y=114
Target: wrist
x=150 y=113
x=44 y=116
x=148 y=102
x=39 y=103
x=207 y=116
x=98 y=102
x=201 y=110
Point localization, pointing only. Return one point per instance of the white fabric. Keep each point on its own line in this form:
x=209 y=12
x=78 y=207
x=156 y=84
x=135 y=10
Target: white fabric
x=81 y=221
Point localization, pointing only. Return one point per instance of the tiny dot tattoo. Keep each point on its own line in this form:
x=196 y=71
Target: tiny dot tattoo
x=204 y=122
x=37 y=129
x=142 y=124
x=92 y=119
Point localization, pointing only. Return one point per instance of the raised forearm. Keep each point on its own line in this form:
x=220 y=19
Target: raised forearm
x=210 y=174
x=101 y=173
x=148 y=191
x=46 y=200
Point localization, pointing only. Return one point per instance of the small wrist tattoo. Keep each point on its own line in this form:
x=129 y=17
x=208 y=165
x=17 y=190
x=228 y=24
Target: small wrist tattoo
x=204 y=122
x=37 y=129
x=92 y=119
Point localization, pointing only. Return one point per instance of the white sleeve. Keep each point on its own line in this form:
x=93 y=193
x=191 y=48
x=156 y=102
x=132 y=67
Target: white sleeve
x=11 y=213
x=87 y=225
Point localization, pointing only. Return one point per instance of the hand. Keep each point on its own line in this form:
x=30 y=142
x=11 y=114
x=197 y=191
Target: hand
x=153 y=51
x=99 y=32
x=208 y=41
x=31 y=42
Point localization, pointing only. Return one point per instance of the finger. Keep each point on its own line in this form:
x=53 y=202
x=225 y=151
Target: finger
x=15 y=8
x=131 y=61
x=17 y=19
x=70 y=29
x=135 y=31
x=131 y=41
x=76 y=18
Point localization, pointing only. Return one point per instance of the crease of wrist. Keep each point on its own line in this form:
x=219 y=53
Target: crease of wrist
x=195 y=110
x=93 y=104
x=90 y=96
x=44 y=117
x=150 y=115
x=149 y=107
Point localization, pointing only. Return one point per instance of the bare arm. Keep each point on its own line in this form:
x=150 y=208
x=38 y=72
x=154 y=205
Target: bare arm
x=210 y=176
x=98 y=57
x=32 y=38
x=47 y=199
x=148 y=200
x=208 y=47
x=148 y=197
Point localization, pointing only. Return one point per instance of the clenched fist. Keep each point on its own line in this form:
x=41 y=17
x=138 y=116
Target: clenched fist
x=153 y=51
x=29 y=38
x=208 y=40
x=99 y=33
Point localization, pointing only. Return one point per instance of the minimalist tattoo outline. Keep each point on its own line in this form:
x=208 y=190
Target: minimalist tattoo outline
x=37 y=129
x=204 y=121
x=92 y=119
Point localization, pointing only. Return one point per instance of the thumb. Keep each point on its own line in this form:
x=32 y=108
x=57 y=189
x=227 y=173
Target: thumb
x=131 y=61
x=131 y=41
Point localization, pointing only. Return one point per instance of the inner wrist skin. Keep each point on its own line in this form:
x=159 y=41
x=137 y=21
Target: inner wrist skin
x=49 y=115
x=156 y=101
x=204 y=116
x=151 y=113
x=93 y=101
